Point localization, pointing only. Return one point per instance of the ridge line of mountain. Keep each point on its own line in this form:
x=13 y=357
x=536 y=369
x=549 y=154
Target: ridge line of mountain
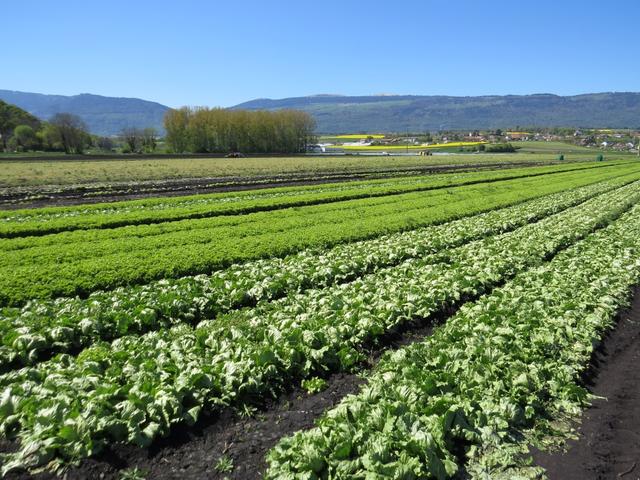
x=367 y=113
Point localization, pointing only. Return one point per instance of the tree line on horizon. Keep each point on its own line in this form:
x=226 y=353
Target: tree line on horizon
x=22 y=132
x=65 y=132
x=218 y=130
x=188 y=129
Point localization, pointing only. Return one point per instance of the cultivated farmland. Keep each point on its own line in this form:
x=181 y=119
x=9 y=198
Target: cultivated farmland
x=414 y=326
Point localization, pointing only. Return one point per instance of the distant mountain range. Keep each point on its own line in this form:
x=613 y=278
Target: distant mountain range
x=401 y=113
x=366 y=114
x=103 y=115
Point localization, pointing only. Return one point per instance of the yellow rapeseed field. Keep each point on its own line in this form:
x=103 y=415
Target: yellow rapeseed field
x=411 y=147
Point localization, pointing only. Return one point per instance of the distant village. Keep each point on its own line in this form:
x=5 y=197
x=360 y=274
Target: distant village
x=601 y=139
x=608 y=139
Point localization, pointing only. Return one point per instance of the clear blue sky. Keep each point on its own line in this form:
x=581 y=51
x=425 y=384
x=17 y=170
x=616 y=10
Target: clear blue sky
x=197 y=52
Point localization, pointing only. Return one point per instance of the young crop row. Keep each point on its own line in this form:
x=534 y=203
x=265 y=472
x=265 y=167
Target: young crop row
x=172 y=233
x=134 y=389
x=499 y=365
x=66 y=324
x=58 y=219
x=37 y=222
x=121 y=257
x=85 y=242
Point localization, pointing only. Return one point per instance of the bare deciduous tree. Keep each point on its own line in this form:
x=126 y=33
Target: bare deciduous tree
x=71 y=132
x=132 y=138
x=149 y=143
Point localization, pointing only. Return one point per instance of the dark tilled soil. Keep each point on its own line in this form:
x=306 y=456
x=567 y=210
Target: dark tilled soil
x=608 y=446
x=50 y=196
x=191 y=453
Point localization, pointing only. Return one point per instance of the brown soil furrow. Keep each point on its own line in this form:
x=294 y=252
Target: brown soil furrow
x=191 y=453
x=608 y=446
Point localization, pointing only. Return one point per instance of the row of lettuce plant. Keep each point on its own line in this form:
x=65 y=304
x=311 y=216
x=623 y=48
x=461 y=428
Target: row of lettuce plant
x=38 y=222
x=173 y=233
x=132 y=255
x=202 y=230
x=58 y=219
x=66 y=324
x=135 y=388
x=499 y=367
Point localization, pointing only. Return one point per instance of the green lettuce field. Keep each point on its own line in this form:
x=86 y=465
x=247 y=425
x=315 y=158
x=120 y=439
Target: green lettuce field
x=125 y=327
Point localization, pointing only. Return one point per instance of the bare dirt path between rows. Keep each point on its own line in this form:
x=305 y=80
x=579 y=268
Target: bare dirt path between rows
x=608 y=446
